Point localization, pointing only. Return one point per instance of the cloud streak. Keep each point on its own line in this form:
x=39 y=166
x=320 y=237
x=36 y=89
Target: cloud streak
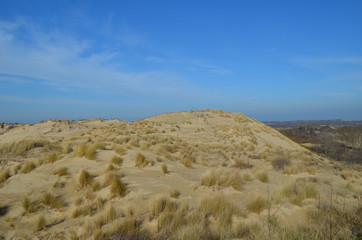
x=192 y=65
x=346 y=60
x=62 y=61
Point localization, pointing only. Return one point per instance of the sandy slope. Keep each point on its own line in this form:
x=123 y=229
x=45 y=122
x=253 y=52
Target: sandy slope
x=211 y=139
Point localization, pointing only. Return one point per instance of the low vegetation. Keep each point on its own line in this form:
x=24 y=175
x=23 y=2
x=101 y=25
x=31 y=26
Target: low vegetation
x=116 y=160
x=85 y=178
x=28 y=167
x=4 y=175
x=263 y=177
x=40 y=223
x=21 y=147
x=61 y=171
x=52 y=201
x=222 y=178
x=257 y=205
x=140 y=160
x=118 y=188
x=164 y=168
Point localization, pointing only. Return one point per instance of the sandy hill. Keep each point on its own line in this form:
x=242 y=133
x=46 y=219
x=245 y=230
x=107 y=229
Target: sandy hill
x=187 y=175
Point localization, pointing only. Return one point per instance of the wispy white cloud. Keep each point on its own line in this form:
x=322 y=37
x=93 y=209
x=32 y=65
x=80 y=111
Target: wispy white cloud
x=192 y=65
x=60 y=60
x=350 y=60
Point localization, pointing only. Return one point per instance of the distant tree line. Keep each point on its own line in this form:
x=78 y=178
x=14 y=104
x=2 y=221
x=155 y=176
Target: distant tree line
x=341 y=144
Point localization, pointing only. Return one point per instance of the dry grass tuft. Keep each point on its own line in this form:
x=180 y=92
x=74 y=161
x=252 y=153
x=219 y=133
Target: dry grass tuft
x=220 y=208
x=298 y=191
x=29 y=206
x=262 y=177
x=120 y=150
x=28 y=167
x=4 y=175
x=84 y=178
x=116 y=160
x=257 y=205
x=164 y=168
x=110 y=168
x=140 y=160
x=96 y=186
x=79 y=150
x=162 y=204
x=221 y=178
x=62 y=171
x=174 y=193
x=16 y=169
x=90 y=152
x=78 y=201
x=242 y=164
x=52 y=201
x=21 y=147
x=40 y=223
x=118 y=188
x=280 y=163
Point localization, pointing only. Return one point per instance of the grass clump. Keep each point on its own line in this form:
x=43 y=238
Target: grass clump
x=291 y=170
x=120 y=150
x=210 y=178
x=62 y=171
x=79 y=150
x=16 y=169
x=50 y=158
x=118 y=188
x=90 y=152
x=216 y=205
x=280 y=163
x=52 y=201
x=40 y=223
x=140 y=160
x=29 y=206
x=241 y=164
x=222 y=179
x=4 y=175
x=164 y=168
x=161 y=205
x=28 y=167
x=263 y=177
x=174 y=193
x=297 y=192
x=110 y=168
x=21 y=147
x=84 y=178
x=187 y=162
x=96 y=186
x=257 y=205
x=116 y=160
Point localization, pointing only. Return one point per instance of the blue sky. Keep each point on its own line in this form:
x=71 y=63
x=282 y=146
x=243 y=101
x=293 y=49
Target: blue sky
x=271 y=60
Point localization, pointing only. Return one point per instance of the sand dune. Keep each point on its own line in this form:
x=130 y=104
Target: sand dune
x=208 y=153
